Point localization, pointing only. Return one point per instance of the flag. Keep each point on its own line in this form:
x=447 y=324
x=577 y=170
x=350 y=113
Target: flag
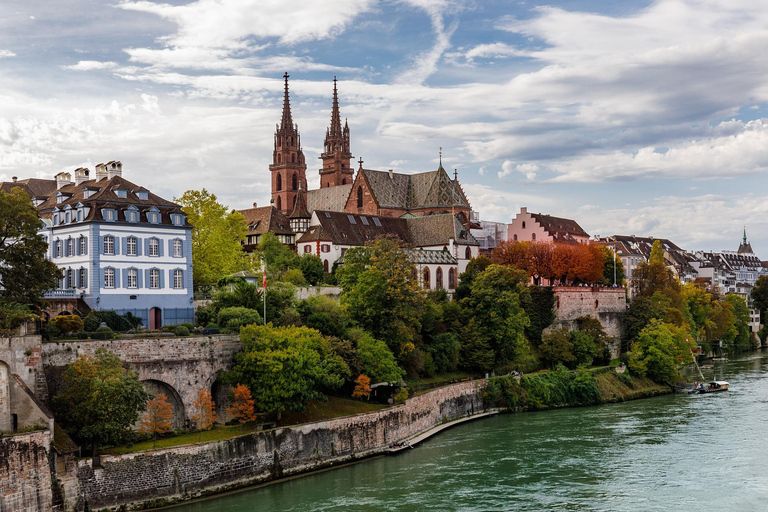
x=264 y=280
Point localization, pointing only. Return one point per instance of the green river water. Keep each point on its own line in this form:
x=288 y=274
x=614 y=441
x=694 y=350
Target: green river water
x=672 y=453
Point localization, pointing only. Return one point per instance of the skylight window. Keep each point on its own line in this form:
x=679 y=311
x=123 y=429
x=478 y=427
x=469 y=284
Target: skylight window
x=327 y=215
x=351 y=219
x=364 y=220
x=376 y=221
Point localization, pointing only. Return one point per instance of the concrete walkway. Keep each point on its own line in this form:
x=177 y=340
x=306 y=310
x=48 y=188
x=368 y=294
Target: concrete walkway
x=412 y=441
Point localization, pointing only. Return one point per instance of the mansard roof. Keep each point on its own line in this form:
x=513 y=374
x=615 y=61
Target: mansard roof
x=266 y=219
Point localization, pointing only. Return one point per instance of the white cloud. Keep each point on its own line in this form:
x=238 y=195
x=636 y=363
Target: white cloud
x=6 y=53
x=528 y=170
x=90 y=65
x=486 y=51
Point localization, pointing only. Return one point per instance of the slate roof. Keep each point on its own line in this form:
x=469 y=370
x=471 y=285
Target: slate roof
x=266 y=218
x=328 y=198
x=354 y=229
x=422 y=190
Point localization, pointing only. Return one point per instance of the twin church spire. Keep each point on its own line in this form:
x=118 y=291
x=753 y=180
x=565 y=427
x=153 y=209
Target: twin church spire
x=288 y=166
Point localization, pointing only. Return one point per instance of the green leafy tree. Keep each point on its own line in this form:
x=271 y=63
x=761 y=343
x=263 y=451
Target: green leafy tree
x=377 y=359
x=276 y=254
x=101 y=399
x=217 y=236
x=474 y=268
x=382 y=294
x=743 y=339
x=444 y=349
x=13 y=315
x=655 y=276
x=659 y=351
x=494 y=303
x=25 y=273
x=557 y=348
x=539 y=305
x=608 y=264
x=286 y=367
x=760 y=296
x=232 y=319
x=584 y=348
x=312 y=268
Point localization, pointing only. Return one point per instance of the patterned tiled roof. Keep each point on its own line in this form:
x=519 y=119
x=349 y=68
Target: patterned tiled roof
x=266 y=218
x=421 y=190
x=430 y=257
x=431 y=230
x=328 y=198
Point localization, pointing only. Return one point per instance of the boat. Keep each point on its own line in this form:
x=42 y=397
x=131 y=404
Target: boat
x=713 y=387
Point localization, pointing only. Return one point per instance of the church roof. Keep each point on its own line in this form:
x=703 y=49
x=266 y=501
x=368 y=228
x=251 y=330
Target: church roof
x=300 y=208
x=328 y=198
x=421 y=190
x=431 y=230
x=266 y=218
x=430 y=257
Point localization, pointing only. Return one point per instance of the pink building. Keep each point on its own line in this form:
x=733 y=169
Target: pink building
x=537 y=227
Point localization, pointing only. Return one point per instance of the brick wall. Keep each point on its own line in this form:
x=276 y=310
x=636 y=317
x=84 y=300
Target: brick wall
x=25 y=475
x=190 y=471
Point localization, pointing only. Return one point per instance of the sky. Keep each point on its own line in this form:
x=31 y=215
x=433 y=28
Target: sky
x=645 y=118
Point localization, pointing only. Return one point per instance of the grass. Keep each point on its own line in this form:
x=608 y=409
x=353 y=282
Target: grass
x=613 y=390
x=316 y=410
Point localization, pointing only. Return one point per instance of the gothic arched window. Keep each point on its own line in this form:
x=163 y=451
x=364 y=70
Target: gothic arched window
x=468 y=254
x=360 y=197
x=325 y=266
x=295 y=181
x=451 y=278
x=279 y=203
x=425 y=278
x=439 y=278
x=279 y=182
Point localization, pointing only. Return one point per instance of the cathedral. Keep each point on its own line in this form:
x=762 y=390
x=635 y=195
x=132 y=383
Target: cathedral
x=363 y=194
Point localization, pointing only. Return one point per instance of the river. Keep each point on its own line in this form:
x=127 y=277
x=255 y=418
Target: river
x=672 y=453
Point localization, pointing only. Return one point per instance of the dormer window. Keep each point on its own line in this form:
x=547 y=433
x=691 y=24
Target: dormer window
x=122 y=194
x=142 y=194
x=131 y=215
x=177 y=219
x=109 y=214
x=153 y=217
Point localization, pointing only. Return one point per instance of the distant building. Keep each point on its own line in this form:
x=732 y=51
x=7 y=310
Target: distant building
x=538 y=227
x=119 y=246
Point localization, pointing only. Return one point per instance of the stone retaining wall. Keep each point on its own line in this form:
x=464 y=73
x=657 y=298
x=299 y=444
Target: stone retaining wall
x=194 y=470
x=25 y=474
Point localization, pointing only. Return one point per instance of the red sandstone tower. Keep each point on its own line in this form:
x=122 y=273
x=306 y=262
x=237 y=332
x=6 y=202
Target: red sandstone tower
x=336 y=156
x=288 y=167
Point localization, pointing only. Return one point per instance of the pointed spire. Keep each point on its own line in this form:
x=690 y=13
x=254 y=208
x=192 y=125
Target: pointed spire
x=335 y=115
x=745 y=234
x=441 y=158
x=287 y=121
x=300 y=210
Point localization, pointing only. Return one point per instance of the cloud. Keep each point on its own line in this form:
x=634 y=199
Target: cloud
x=528 y=170
x=500 y=205
x=90 y=65
x=6 y=54
x=486 y=51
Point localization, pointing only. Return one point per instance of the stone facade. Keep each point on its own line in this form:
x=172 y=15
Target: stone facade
x=189 y=471
x=25 y=474
x=177 y=367
x=608 y=305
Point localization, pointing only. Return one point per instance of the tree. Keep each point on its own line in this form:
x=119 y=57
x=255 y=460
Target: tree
x=494 y=303
x=474 y=267
x=286 y=367
x=100 y=400
x=377 y=359
x=655 y=276
x=584 y=348
x=242 y=404
x=217 y=236
x=539 y=305
x=362 y=387
x=760 y=296
x=660 y=349
x=25 y=273
x=608 y=263
x=743 y=339
x=204 y=414
x=557 y=348
x=276 y=254
x=382 y=293
x=13 y=315
x=312 y=268
x=157 y=418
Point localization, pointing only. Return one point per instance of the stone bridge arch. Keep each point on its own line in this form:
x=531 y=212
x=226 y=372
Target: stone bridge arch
x=155 y=387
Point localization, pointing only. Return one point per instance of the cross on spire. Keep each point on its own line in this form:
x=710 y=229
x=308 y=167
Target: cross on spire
x=287 y=121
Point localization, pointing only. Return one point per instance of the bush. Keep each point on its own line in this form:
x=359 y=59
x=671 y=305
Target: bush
x=113 y=320
x=236 y=317
x=212 y=325
x=295 y=277
x=626 y=379
x=181 y=330
x=68 y=323
x=103 y=333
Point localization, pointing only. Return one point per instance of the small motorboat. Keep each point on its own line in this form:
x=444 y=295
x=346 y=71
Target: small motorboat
x=713 y=387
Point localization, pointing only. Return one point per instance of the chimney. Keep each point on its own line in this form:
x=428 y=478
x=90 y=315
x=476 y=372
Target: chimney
x=524 y=209
x=63 y=179
x=114 y=169
x=81 y=175
x=390 y=174
x=101 y=172
x=254 y=205
x=15 y=178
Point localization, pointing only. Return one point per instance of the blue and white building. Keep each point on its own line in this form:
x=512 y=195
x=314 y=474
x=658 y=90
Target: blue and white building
x=120 y=247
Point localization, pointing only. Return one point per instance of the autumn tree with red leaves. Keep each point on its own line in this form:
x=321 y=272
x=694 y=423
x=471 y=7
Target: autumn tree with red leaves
x=363 y=387
x=205 y=411
x=558 y=263
x=157 y=418
x=242 y=404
